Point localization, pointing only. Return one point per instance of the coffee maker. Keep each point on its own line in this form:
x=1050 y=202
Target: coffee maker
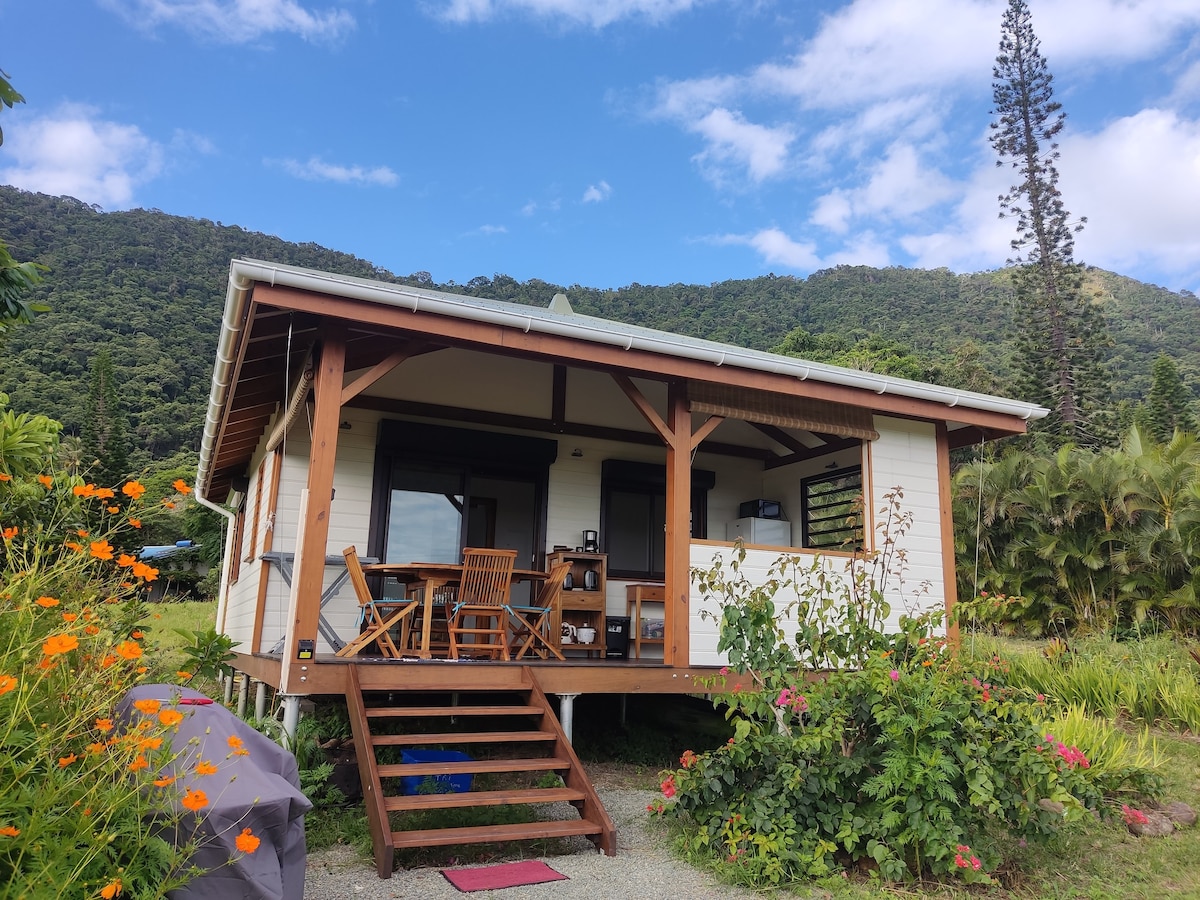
x=591 y=541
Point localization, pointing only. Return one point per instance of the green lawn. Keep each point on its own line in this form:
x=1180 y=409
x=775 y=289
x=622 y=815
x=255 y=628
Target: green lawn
x=163 y=621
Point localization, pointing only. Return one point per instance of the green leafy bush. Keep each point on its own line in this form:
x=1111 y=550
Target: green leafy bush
x=901 y=759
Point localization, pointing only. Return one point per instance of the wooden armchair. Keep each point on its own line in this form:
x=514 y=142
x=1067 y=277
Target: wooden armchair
x=531 y=624
x=376 y=618
x=483 y=594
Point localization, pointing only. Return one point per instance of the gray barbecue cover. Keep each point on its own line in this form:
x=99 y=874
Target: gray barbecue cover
x=259 y=790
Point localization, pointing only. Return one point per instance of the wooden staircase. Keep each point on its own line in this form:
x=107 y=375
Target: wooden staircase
x=466 y=703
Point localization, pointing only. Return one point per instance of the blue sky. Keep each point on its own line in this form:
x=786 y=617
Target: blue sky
x=605 y=142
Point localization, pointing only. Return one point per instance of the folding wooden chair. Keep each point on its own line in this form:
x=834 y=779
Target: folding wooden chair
x=376 y=618
x=531 y=624
x=483 y=594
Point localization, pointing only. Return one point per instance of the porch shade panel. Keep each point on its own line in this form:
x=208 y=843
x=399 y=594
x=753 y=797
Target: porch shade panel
x=782 y=410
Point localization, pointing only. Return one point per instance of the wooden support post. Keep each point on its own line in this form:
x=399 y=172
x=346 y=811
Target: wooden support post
x=309 y=573
x=946 y=513
x=677 y=609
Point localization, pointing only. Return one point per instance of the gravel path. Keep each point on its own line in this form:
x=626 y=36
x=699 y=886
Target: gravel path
x=644 y=867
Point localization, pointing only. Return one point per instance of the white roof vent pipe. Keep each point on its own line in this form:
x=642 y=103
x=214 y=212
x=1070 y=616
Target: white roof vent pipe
x=560 y=304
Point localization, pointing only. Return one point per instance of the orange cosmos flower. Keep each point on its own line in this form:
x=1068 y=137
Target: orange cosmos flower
x=184 y=675
x=180 y=485
x=69 y=617
x=64 y=761
x=195 y=800
x=10 y=533
x=114 y=509
x=104 y=493
x=133 y=489
x=92 y=630
x=151 y=743
x=71 y=545
x=129 y=650
x=142 y=670
x=112 y=889
x=246 y=841
x=234 y=741
x=135 y=523
x=170 y=717
x=102 y=550
x=84 y=490
x=7 y=683
x=104 y=725
x=164 y=781
x=136 y=634
x=169 y=504
x=46 y=481
x=204 y=767
x=125 y=560
x=144 y=571
x=107 y=661
x=96 y=748
x=147 y=707
x=82 y=533
x=9 y=831
x=4 y=476
x=139 y=764
x=59 y=643
x=46 y=602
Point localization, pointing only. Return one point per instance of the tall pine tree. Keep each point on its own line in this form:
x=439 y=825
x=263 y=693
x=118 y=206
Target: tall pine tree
x=105 y=445
x=1168 y=405
x=1062 y=337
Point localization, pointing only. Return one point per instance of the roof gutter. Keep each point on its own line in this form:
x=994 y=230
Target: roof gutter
x=590 y=329
x=233 y=320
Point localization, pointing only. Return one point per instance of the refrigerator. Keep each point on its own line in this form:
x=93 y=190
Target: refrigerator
x=775 y=532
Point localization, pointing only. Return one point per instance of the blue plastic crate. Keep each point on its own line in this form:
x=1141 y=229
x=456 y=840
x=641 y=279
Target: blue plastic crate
x=442 y=784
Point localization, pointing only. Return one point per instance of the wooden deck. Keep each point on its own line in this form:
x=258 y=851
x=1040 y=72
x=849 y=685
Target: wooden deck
x=327 y=674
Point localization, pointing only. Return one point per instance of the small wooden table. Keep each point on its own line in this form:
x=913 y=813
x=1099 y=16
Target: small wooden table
x=431 y=578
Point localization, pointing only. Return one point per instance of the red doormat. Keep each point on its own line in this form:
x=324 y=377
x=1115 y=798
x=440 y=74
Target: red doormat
x=490 y=878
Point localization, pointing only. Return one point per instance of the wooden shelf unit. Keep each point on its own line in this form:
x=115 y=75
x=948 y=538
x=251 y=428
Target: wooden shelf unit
x=579 y=606
x=635 y=596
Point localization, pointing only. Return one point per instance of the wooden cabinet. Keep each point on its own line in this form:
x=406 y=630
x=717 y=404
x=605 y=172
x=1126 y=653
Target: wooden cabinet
x=645 y=604
x=582 y=605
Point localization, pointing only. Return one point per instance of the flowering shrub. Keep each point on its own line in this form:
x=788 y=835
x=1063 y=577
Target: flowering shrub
x=901 y=759
x=87 y=797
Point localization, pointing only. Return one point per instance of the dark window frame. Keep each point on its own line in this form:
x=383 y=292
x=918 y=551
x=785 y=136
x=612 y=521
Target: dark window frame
x=648 y=480
x=830 y=506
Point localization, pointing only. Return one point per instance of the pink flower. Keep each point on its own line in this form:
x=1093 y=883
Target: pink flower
x=959 y=861
x=668 y=787
x=724 y=670
x=894 y=675
x=1133 y=816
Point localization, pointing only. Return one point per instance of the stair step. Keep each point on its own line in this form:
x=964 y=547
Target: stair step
x=399 y=712
x=491 y=834
x=482 y=798
x=475 y=766
x=460 y=737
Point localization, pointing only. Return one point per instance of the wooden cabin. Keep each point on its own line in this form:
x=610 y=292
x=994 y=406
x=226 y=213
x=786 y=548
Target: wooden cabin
x=412 y=423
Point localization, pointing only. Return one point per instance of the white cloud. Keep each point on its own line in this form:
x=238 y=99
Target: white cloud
x=776 y=247
x=1138 y=182
x=75 y=152
x=732 y=142
x=597 y=193
x=591 y=13
x=316 y=169
x=236 y=21
x=491 y=229
x=898 y=187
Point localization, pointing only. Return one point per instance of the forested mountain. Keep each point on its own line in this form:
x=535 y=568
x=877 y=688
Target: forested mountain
x=150 y=287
